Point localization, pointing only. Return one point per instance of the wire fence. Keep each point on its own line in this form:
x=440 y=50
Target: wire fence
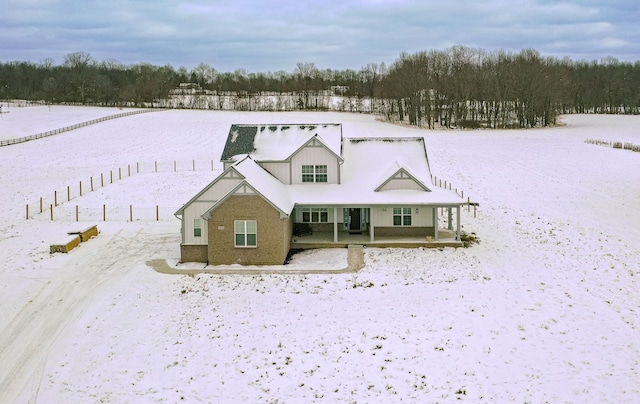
x=443 y=184
x=72 y=127
x=57 y=204
x=105 y=213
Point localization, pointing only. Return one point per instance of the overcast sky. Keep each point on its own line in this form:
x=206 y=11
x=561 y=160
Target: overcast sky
x=272 y=35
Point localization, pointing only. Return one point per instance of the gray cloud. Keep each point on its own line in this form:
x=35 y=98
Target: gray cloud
x=269 y=36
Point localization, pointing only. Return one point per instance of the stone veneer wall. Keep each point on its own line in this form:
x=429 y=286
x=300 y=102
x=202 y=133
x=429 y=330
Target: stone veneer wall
x=402 y=231
x=273 y=238
x=193 y=253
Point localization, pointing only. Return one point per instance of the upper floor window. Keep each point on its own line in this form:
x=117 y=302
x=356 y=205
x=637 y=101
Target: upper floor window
x=402 y=216
x=311 y=173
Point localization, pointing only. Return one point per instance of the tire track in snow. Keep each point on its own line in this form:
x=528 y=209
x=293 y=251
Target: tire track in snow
x=27 y=339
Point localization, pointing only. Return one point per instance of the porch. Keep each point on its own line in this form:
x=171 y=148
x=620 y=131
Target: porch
x=325 y=239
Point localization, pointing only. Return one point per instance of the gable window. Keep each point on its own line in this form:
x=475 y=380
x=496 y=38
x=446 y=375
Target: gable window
x=246 y=233
x=197 y=227
x=315 y=215
x=402 y=216
x=311 y=173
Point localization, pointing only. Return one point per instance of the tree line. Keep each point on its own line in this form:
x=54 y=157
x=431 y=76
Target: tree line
x=457 y=87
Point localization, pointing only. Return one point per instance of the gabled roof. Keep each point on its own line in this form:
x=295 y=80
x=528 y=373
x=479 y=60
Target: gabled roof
x=277 y=142
x=262 y=183
x=229 y=171
x=364 y=173
x=400 y=170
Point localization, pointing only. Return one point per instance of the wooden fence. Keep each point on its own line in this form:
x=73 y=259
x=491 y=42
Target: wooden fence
x=72 y=127
x=53 y=200
x=104 y=213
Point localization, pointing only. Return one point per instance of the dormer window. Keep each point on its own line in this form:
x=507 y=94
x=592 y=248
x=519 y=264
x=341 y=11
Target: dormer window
x=312 y=173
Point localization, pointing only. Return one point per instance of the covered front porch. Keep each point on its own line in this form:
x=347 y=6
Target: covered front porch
x=429 y=226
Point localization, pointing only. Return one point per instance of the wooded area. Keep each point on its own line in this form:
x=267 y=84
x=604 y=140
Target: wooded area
x=457 y=87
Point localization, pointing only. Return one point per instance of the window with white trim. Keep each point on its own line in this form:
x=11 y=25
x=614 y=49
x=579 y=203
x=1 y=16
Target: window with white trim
x=311 y=173
x=197 y=227
x=315 y=215
x=246 y=233
x=402 y=216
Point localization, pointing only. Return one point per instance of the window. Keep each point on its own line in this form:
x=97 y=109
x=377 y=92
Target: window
x=315 y=215
x=197 y=227
x=246 y=233
x=314 y=173
x=402 y=216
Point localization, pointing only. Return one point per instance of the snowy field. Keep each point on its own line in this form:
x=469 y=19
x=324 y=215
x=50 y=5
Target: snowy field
x=544 y=309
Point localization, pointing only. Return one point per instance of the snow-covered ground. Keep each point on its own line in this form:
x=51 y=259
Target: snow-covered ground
x=544 y=309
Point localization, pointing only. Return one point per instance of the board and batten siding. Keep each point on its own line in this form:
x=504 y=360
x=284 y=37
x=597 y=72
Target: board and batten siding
x=383 y=216
x=197 y=208
x=315 y=155
x=280 y=170
x=401 y=183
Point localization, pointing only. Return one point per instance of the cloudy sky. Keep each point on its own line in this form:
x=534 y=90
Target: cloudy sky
x=272 y=35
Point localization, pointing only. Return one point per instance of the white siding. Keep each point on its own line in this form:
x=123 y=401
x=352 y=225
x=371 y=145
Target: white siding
x=401 y=183
x=314 y=155
x=219 y=189
x=383 y=216
x=197 y=208
x=280 y=170
x=195 y=211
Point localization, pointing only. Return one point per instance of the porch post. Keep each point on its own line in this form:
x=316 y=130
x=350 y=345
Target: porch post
x=335 y=224
x=435 y=223
x=458 y=223
x=450 y=218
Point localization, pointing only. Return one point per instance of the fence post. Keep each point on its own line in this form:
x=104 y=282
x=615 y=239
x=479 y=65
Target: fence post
x=104 y=213
x=211 y=165
x=468 y=204
x=80 y=188
x=157 y=214
x=68 y=193
x=40 y=204
x=119 y=173
x=101 y=179
x=55 y=198
x=174 y=166
x=474 y=210
x=156 y=164
x=76 y=213
x=194 y=165
x=129 y=170
x=138 y=168
x=91 y=184
x=131 y=213
x=51 y=212
x=111 y=175
x=27 y=211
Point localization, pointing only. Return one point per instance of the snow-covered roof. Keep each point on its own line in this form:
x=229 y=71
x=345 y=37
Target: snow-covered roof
x=277 y=142
x=262 y=183
x=363 y=174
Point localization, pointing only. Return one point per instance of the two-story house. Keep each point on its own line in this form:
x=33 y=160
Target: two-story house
x=343 y=189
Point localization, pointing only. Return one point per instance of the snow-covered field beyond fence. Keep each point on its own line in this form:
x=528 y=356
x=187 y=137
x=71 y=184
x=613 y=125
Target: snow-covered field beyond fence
x=545 y=309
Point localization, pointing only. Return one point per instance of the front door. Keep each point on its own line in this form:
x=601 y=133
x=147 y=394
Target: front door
x=354 y=220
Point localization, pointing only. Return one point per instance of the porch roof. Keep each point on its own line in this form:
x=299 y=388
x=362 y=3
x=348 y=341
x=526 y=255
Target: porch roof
x=345 y=194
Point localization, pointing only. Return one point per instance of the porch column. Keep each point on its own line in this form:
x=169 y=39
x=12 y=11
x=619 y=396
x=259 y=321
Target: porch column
x=450 y=218
x=371 y=231
x=435 y=223
x=458 y=223
x=335 y=224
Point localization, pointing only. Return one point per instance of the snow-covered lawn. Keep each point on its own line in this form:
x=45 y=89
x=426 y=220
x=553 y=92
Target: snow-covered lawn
x=545 y=308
